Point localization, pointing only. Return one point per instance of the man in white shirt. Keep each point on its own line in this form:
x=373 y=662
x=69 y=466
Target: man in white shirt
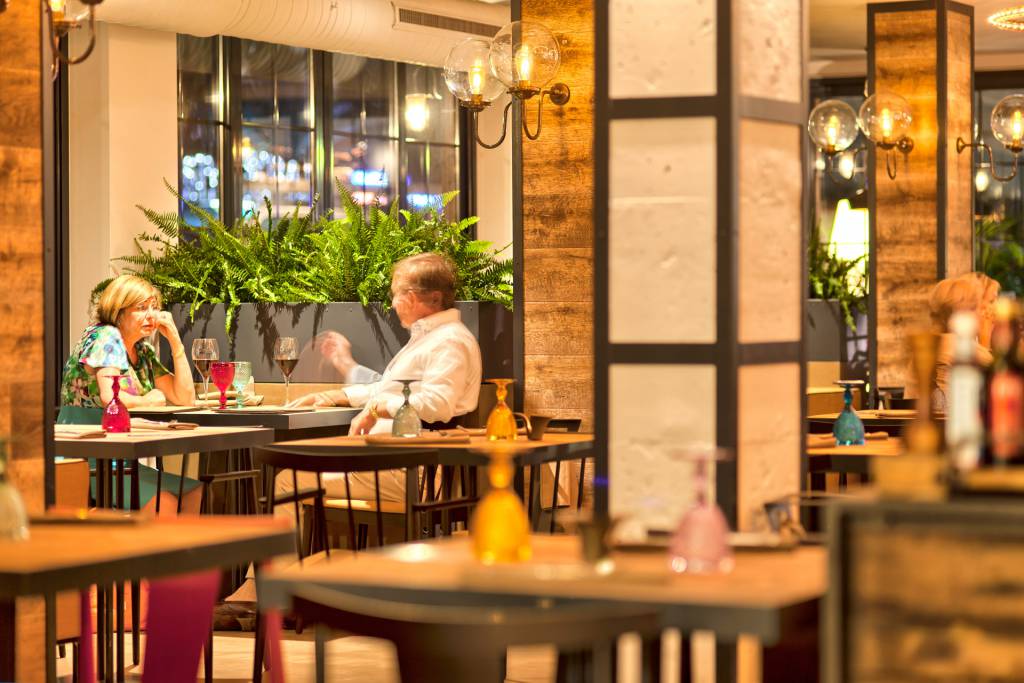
x=442 y=354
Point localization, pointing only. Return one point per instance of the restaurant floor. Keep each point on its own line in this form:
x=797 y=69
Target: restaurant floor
x=365 y=660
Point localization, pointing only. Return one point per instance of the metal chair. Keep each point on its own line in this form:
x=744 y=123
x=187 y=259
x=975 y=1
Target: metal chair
x=468 y=642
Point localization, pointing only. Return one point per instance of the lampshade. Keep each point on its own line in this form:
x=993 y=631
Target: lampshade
x=832 y=126
x=1008 y=122
x=467 y=73
x=524 y=55
x=885 y=118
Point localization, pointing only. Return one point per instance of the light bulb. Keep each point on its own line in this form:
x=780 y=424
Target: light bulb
x=417 y=113
x=58 y=7
x=982 y=180
x=524 y=64
x=1017 y=126
x=476 y=77
x=832 y=130
x=886 y=122
x=846 y=166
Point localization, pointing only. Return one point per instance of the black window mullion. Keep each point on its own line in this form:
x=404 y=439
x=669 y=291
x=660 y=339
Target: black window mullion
x=402 y=165
x=323 y=160
x=231 y=164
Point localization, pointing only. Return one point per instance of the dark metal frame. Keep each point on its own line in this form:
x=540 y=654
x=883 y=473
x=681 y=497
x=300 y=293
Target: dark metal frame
x=518 y=245
x=728 y=355
x=942 y=9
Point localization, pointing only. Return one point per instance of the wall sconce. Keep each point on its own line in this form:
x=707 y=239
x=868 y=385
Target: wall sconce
x=61 y=24
x=520 y=60
x=1008 y=128
x=884 y=118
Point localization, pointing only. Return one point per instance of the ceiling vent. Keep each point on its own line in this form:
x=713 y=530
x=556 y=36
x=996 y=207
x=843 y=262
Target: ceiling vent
x=412 y=17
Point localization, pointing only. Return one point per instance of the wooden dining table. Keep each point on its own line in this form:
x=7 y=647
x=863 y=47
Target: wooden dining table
x=463 y=450
x=765 y=595
x=68 y=555
x=852 y=459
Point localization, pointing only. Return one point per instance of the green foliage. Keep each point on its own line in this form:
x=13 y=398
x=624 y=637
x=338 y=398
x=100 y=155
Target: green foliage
x=304 y=259
x=999 y=254
x=831 y=277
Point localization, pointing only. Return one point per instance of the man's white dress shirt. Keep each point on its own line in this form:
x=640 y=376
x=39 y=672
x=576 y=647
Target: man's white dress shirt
x=444 y=356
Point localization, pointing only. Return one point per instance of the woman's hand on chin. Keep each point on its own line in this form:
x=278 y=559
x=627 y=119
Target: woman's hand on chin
x=165 y=325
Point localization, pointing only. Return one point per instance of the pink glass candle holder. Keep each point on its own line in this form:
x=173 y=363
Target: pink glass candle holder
x=223 y=374
x=115 y=416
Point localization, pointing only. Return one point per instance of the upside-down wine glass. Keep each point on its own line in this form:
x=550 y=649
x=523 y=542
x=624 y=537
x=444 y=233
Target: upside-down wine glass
x=406 y=422
x=243 y=371
x=286 y=353
x=115 y=416
x=700 y=544
x=204 y=352
x=223 y=373
x=848 y=428
x=501 y=423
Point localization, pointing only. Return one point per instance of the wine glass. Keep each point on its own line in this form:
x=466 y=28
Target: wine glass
x=204 y=352
x=406 y=421
x=115 y=416
x=848 y=428
x=223 y=373
x=243 y=371
x=501 y=423
x=286 y=353
x=700 y=544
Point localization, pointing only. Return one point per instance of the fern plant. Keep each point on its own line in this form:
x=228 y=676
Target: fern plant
x=832 y=277
x=301 y=258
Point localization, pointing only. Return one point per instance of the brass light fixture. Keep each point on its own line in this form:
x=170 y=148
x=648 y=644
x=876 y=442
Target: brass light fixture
x=1008 y=128
x=62 y=24
x=521 y=59
x=884 y=118
x=1011 y=19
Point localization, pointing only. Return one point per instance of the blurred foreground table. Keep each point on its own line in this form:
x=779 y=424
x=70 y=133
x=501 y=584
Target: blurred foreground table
x=78 y=554
x=766 y=594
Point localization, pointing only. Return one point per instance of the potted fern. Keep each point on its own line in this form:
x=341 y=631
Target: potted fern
x=836 y=329
x=303 y=276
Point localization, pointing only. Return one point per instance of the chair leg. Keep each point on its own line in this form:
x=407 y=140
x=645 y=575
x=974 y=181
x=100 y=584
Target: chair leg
x=74 y=662
x=554 y=495
x=159 y=481
x=579 y=489
x=208 y=659
x=119 y=618
x=181 y=479
x=320 y=641
x=258 y=648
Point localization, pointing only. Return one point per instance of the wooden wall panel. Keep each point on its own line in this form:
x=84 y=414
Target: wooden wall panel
x=21 y=303
x=908 y=58
x=558 y=226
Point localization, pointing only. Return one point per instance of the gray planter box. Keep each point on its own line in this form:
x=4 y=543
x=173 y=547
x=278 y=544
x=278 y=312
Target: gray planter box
x=375 y=336
x=827 y=338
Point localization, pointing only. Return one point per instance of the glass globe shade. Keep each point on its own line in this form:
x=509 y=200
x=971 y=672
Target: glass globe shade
x=467 y=73
x=524 y=55
x=1008 y=122
x=885 y=118
x=832 y=126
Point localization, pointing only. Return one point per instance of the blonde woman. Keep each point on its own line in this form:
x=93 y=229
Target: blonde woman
x=975 y=292
x=127 y=314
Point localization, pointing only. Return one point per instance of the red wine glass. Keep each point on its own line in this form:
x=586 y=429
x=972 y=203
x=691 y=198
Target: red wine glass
x=223 y=374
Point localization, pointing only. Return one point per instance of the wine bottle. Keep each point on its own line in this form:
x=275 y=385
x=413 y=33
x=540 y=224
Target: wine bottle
x=1005 y=389
x=965 y=431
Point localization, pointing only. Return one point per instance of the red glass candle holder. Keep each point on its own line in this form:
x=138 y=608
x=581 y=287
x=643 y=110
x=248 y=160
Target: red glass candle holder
x=223 y=374
x=115 y=416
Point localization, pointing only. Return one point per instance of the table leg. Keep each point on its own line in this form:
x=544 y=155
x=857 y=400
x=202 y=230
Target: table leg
x=136 y=501
x=411 y=497
x=554 y=495
x=8 y=651
x=119 y=617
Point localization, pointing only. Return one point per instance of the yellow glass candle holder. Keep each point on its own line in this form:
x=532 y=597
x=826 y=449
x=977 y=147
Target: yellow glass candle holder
x=501 y=423
x=500 y=527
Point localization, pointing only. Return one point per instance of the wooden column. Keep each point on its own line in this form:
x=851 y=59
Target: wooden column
x=699 y=110
x=22 y=359
x=557 y=226
x=921 y=222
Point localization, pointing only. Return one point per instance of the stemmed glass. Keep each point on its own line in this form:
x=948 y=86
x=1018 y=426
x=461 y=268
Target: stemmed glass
x=223 y=373
x=286 y=353
x=406 y=421
x=700 y=544
x=204 y=352
x=501 y=423
x=243 y=371
x=848 y=428
x=115 y=416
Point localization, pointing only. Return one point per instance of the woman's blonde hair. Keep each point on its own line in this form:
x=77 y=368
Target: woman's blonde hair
x=987 y=287
x=953 y=294
x=123 y=292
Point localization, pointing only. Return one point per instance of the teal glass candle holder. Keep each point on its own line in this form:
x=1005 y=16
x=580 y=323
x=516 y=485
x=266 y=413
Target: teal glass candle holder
x=848 y=428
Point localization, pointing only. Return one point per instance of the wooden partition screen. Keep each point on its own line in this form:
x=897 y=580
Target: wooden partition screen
x=921 y=222
x=699 y=282
x=22 y=305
